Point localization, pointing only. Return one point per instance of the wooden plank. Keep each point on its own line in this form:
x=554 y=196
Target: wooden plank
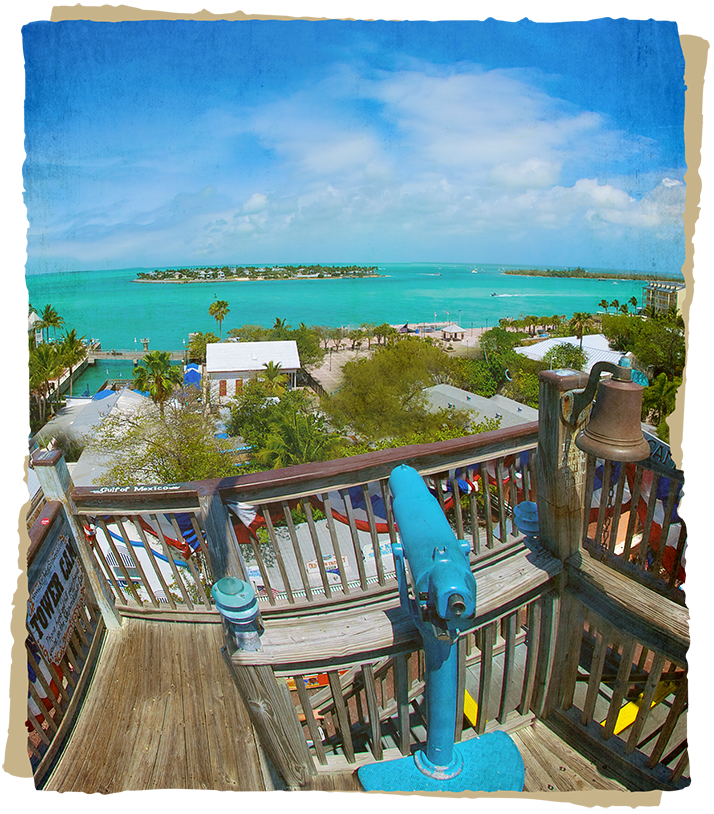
x=575 y=616
x=154 y=564
x=307 y=508
x=373 y=533
x=137 y=562
x=278 y=554
x=309 y=714
x=483 y=473
x=401 y=694
x=485 y=675
x=596 y=667
x=373 y=711
x=343 y=714
x=507 y=687
x=457 y=507
x=649 y=516
x=532 y=643
x=681 y=542
x=635 y=493
x=664 y=533
x=501 y=501
x=617 y=508
x=648 y=694
x=191 y=567
x=475 y=536
x=359 y=559
x=170 y=555
x=677 y=708
x=589 y=488
x=129 y=584
x=335 y=542
x=654 y=620
x=604 y=494
x=621 y=685
x=460 y=686
x=299 y=559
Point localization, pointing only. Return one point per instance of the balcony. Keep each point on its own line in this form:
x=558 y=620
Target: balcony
x=578 y=649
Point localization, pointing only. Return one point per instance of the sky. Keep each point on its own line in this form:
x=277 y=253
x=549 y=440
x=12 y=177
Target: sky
x=162 y=143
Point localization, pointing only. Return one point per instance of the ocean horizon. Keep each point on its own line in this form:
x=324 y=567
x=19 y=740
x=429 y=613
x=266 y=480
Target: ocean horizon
x=106 y=305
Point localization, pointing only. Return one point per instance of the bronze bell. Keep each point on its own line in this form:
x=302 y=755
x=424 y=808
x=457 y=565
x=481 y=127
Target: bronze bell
x=614 y=432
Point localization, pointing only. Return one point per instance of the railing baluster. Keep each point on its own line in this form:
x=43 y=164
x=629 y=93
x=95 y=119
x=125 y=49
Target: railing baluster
x=373 y=534
x=473 y=505
x=154 y=564
x=355 y=539
x=681 y=766
x=309 y=714
x=596 y=667
x=651 y=503
x=457 y=507
x=335 y=542
x=622 y=683
x=486 y=674
x=137 y=563
x=512 y=494
x=617 y=508
x=666 y=523
x=575 y=613
x=172 y=564
x=307 y=508
x=589 y=489
x=110 y=542
x=191 y=566
x=508 y=667
x=503 y=533
x=370 y=692
x=634 y=501
x=287 y=513
x=604 y=493
x=401 y=692
x=343 y=713
x=460 y=686
x=278 y=553
x=643 y=713
x=681 y=542
x=204 y=548
x=532 y=644
x=677 y=708
x=483 y=472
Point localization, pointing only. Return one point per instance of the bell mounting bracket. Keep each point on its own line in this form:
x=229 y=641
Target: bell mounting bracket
x=577 y=400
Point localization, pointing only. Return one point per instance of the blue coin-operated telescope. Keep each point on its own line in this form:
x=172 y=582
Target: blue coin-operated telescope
x=442 y=603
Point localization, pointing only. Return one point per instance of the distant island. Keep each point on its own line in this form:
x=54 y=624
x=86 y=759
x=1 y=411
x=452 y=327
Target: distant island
x=580 y=272
x=244 y=273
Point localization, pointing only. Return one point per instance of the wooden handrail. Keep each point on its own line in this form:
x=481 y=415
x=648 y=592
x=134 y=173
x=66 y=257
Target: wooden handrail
x=312 y=478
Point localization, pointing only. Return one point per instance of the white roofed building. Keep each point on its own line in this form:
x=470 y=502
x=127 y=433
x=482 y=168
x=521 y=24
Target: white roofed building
x=596 y=347
x=229 y=364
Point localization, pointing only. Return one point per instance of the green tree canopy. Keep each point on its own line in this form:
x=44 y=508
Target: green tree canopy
x=72 y=351
x=565 y=355
x=197 y=346
x=383 y=396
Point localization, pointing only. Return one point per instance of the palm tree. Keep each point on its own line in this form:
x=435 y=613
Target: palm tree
x=72 y=351
x=45 y=365
x=219 y=310
x=660 y=398
x=274 y=377
x=50 y=319
x=579 y=322
x=156 y=375
x=633 y=302
x=615 y=304
x=604 y=304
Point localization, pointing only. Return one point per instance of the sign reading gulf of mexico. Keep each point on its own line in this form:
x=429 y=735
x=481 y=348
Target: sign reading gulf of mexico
x=56 y=592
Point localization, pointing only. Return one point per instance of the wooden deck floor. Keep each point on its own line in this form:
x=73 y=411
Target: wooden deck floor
x=161 y=713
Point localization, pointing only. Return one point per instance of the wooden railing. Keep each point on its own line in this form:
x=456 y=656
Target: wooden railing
x=56 y=682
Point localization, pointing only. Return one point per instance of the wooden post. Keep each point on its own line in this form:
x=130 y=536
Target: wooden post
x=53 y=475
x=561 y=473
x=275 y=719
x=561 y=466
x=226 y=558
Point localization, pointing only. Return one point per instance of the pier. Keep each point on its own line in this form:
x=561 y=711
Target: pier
x=96 y=355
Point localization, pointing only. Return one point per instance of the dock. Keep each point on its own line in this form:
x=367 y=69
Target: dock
x=96 y=355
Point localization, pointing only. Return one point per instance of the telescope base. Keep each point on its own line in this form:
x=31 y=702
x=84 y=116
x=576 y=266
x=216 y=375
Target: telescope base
x=491 y=763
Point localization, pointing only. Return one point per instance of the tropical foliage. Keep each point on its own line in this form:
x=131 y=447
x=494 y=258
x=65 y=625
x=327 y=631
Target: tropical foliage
x=565 y=355
x=219 y=311
x=156 y=376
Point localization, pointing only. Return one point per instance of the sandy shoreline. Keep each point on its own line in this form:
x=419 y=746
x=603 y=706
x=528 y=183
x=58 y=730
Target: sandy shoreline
x=254 y=279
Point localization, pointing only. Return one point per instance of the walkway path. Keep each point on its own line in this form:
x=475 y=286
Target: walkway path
x=162 y=712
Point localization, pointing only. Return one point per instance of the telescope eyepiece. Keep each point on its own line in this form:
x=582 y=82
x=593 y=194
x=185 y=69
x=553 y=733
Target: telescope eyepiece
x=456 y=605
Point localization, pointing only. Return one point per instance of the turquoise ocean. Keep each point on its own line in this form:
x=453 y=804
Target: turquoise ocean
x=106 y=304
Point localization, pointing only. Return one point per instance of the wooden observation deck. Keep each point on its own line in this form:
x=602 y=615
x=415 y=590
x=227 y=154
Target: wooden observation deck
x=578 y=649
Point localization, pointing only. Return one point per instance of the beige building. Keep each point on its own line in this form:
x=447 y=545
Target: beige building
x=663 y=296
x=229 y=364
